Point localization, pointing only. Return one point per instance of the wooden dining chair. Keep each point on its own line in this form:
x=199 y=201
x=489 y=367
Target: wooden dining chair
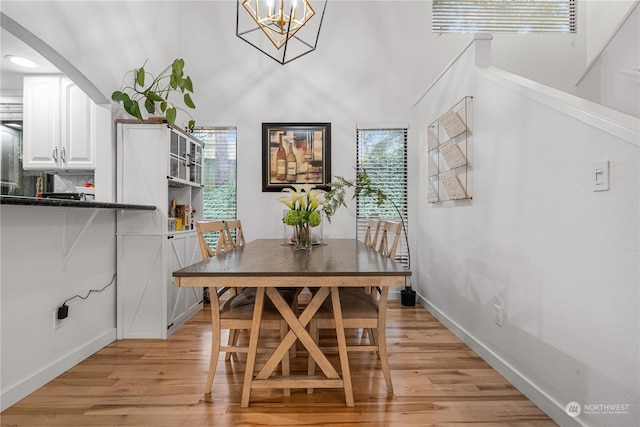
x=371 y=240
x=211 y=231
x=236 y=312
x=363 y=310
x=234 y=228
x=371 y=233
x=395 y=229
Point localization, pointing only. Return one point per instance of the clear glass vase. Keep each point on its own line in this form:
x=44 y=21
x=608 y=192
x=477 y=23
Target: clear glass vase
x=302 y=236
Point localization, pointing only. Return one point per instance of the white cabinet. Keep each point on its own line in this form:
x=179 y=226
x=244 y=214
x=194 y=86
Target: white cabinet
x=156 y=164
x=181 y=302
x=149 y=305
x=59 y=125
x=78 y=129
x=41 y=137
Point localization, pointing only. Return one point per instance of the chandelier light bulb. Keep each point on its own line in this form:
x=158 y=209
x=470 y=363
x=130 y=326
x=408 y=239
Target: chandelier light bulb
x=281 y=24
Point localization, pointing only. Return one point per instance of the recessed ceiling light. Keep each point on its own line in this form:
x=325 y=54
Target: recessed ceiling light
x=13 y=125
x=23 y=62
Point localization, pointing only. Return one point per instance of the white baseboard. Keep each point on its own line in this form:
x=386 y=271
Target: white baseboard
x=40 y=378
x=541 y=399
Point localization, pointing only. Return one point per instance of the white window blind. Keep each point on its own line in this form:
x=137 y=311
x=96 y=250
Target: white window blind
x=510 y=16
x=220 y=166
x=383 y=154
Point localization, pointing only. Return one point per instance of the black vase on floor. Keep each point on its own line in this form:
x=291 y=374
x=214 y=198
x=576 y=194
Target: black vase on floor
x=408 y=297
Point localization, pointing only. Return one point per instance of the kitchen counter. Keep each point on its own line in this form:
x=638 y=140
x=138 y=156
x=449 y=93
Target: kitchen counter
x=33 y=201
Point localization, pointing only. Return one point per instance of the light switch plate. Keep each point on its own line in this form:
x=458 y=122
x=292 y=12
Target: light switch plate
x=600 y=176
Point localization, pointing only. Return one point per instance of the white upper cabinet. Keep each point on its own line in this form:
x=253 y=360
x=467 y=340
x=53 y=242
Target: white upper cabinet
x=59 y=125
x=41 y=138
x=78 y=128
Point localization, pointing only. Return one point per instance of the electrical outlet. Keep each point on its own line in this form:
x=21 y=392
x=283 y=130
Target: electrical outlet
x=497 y=314
x=57 y=323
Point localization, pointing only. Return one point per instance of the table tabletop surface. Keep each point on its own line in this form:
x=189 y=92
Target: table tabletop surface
x=272 y=257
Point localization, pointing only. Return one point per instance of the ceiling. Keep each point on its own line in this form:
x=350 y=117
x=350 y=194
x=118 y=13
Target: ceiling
x=11 y=74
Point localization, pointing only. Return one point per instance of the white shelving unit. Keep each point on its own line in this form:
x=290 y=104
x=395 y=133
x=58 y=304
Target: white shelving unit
x=156 y=163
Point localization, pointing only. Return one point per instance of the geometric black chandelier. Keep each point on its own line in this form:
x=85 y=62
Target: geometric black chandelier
x=284 y=30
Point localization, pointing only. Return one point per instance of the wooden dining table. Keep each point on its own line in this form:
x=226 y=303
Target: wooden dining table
x=270 y=263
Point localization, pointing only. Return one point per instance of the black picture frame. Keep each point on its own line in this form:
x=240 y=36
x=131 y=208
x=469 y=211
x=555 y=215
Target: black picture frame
x=311 y=144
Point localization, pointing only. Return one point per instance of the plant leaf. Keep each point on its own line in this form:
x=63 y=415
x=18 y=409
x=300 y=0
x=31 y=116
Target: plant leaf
x=173 y=81
x=163 y=106
x=140 y=76
x=171 y=115
x=154 y=96
x=188 y=102
x=177 y=66
x=132 y=108
x=180 y=83
x=119 y=96
x=191 y=125
x=150 y=105
x=188 y=85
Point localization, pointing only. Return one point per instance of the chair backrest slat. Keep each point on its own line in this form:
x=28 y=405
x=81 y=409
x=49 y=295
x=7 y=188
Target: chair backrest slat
x=234 y=224
x=394 y=227
x=206 y=227
x=371 y=233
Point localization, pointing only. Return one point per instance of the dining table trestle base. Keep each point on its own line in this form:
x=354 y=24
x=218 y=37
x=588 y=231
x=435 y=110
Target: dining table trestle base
x=268 y=266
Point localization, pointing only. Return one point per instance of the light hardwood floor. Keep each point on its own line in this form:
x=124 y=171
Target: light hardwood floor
x=437 y=380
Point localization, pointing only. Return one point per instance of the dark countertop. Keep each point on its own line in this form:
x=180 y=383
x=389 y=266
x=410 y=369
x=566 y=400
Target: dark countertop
x=33 y=201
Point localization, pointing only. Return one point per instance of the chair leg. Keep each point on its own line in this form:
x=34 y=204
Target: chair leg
x=373 y=333
x=384 y=358
x=293 y=351
x=233 y=340
x=213 y=361
x=285 y=360
x=315 y=335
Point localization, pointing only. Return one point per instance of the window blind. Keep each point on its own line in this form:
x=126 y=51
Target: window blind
x=509 y=16
x=383 y=154
x=220 y=171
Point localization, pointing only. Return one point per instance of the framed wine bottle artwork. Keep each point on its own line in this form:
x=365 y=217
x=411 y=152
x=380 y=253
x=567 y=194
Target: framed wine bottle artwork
x=295 y=153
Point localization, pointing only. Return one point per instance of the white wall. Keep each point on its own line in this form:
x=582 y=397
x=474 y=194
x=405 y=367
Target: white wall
x=613 y=78
x=358 y=74
x=560 y=259
x=601 y=21
x=47 y=259
x=373 y=61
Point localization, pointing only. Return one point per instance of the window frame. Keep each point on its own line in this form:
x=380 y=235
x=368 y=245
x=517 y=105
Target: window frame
x=402 y=254
x=233 y=174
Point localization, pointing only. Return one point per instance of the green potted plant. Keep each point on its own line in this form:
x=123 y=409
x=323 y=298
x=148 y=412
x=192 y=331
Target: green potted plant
x=362 y=186
x=154 y=96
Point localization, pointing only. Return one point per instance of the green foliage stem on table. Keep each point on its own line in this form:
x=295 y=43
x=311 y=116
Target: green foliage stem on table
x=362 y=187
x=155 y=96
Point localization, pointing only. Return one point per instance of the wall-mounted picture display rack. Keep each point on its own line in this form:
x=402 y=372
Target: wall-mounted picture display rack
x=449 y=141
